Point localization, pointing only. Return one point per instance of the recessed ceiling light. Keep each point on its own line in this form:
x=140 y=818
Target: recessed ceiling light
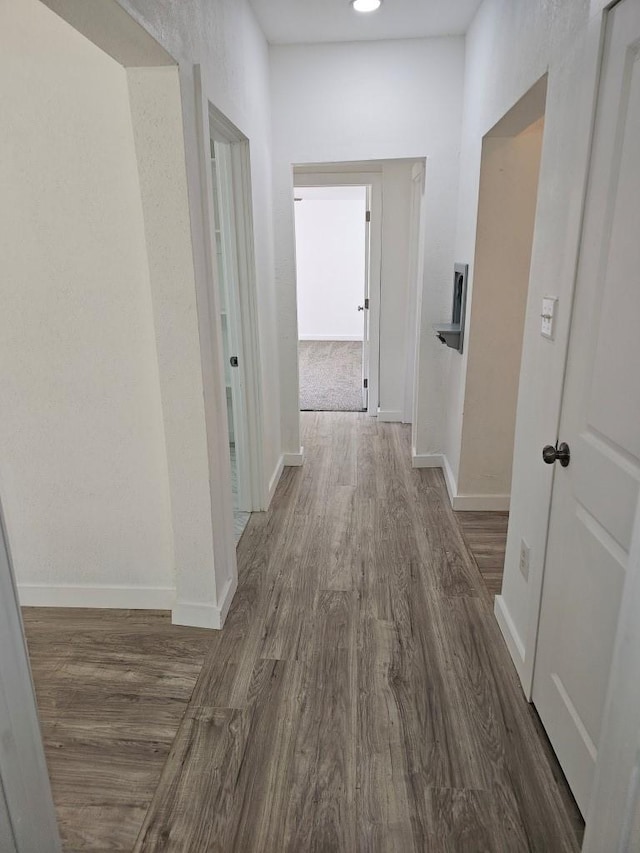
x=366 y=5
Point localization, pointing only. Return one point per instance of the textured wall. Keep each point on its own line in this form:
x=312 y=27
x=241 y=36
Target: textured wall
x=154 y=96
x=367 y=101
x=82 y=460
x=224 y=38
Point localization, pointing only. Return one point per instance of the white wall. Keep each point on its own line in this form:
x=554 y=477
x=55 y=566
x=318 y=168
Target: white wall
x=368 y=101
x=330 y=262
x=177 y=408
x=510 y=46
x=506 y=212
x=225 y=39
x=83 y=471
x=154 y=96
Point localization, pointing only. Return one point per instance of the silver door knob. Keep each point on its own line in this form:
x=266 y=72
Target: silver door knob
x=560 y=453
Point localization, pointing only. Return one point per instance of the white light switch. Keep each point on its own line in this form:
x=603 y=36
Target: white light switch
x=547 y=327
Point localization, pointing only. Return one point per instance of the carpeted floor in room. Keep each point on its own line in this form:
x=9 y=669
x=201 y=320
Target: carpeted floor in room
x=330 y=376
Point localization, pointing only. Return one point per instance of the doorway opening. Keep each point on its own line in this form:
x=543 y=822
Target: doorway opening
x=332 y=263
x=509 y=173
x=233 y=244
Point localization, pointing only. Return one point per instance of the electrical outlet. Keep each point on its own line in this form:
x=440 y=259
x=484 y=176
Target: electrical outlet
x=524 y=559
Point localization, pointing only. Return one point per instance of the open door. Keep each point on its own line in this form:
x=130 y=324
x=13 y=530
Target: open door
x=232 y=343
x=365 y=305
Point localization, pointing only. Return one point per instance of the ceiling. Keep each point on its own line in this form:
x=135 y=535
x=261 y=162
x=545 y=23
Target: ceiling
x=308 y=21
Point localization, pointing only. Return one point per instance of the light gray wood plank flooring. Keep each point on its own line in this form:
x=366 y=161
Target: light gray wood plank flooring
x=112 y=687
x=360 y=696
x=485 y=535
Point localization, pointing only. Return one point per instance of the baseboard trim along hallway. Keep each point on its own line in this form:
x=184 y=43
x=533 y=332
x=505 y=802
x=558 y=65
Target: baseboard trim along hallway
x=460 y=503
x=194 y=615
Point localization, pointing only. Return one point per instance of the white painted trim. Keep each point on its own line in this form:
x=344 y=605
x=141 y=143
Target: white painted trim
x=460 y=503
x=510 y=634
x=314 y=176
x=375 y=293
x=481 y=503
x=414 y=291
x=449 y=479
x=293 y=460
x=196 y=615
x=27 y=816
x=426 y=460
x=390 y=416
x=330 y=338
x=97 y=596
x=275 y=479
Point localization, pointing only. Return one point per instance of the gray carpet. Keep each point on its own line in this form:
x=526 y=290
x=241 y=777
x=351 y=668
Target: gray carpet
x=330 y=376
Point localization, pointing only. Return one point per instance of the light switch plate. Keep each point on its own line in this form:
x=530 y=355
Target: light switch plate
x=548 y=324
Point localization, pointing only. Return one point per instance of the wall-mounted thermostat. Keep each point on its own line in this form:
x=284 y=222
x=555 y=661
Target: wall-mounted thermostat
x=548 y=324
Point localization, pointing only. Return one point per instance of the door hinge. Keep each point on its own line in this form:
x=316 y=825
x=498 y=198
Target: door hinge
x=366 y=383
x=366 y=302
x=367 y=217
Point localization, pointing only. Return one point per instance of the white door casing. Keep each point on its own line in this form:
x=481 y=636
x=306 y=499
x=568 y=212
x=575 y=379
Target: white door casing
x=594 y=498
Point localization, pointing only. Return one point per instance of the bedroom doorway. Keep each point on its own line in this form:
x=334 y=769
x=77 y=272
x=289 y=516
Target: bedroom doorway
x=335 y=257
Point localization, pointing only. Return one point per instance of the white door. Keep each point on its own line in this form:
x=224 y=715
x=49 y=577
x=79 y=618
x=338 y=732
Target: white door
x=365 y=304
x=594 y=498
x=228 y=277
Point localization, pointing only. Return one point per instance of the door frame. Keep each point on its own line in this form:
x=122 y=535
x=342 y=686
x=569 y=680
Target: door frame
x=414 y=301
x=215 y=126
x=27 y=815
x=313 y=176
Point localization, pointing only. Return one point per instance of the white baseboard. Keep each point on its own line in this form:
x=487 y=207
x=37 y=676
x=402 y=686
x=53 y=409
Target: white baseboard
x=275 y=479
x=330 y=338
x=481 y=503
x=293 y=460
x=97 y=596
x=390 y=416
x=460 y=503
x=450 y=480
x=197 y=615
x=510 y=634
x=426 y=460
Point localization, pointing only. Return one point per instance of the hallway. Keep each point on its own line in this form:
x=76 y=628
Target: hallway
x=360 y=696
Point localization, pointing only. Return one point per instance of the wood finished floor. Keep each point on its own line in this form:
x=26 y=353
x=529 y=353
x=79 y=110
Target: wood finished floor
x=360 y=697
x=485 y=535
x=112 y=687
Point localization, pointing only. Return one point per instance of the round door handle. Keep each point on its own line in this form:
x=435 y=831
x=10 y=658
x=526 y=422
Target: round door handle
x=560 y=453
x=360 y=307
